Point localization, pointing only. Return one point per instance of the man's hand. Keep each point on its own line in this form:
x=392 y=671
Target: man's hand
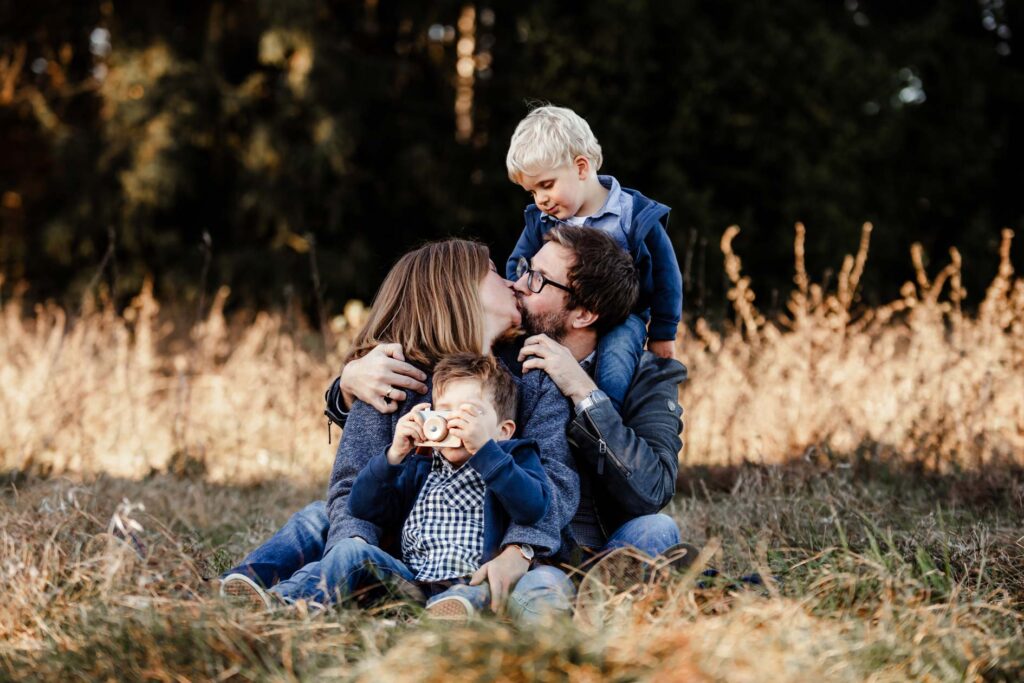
x=408 y=432
x=466 y=424
x=501 y=574
x=663 y=348
x=376 y=377
x=543 y=353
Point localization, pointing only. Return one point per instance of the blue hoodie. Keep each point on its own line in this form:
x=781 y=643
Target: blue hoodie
x=517 y=489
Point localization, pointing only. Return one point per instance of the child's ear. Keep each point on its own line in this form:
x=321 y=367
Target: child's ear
x=506 y=429
x=582 y=166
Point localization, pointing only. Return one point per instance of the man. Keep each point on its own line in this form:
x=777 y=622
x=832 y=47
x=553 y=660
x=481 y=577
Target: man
x=579 y=284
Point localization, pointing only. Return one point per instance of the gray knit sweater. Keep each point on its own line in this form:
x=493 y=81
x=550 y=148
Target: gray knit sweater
x=542 y=415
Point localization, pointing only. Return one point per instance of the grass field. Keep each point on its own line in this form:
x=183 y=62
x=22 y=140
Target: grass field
x=871 y=461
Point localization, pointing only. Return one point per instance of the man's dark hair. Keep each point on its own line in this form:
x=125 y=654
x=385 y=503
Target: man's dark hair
x=603 y=278
x=493 y=377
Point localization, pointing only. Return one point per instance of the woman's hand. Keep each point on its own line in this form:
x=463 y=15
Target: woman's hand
x=376 y=377
x=408 y=432
x=543 y=353
x=501 y=574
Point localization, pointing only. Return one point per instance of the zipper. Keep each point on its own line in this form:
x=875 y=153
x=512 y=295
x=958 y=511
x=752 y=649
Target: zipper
x=603 y=451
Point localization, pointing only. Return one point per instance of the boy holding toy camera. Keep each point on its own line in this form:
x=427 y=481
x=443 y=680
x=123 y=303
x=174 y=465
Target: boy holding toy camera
x=451 y=482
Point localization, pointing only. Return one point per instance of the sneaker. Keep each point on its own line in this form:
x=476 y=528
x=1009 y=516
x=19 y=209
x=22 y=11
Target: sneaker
x=451 y=608
x=243 y=591
x=621 y=575
x=679 y=558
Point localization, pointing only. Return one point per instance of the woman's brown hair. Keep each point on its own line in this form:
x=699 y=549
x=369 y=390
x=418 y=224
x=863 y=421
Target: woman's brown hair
x=429 y=303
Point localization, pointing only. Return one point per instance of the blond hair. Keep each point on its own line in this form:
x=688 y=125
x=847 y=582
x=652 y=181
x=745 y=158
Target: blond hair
x=429 y=303
x=550 y=137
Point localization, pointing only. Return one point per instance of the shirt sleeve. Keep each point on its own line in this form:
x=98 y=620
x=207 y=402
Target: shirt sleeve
x=667 y=297
x=529 y=244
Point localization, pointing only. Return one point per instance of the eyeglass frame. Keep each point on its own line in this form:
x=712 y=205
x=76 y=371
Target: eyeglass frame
x=523 y=268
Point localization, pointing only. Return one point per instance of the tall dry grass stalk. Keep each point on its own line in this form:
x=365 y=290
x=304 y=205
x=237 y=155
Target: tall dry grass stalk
x=120 y=394
x=125 y=394
x=915 y=377
x=872 y=578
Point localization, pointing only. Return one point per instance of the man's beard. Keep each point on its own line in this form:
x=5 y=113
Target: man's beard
x=551 y=324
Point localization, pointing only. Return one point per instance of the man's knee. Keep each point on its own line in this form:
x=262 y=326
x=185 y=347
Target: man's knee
x=664 y=527
x=653 y=534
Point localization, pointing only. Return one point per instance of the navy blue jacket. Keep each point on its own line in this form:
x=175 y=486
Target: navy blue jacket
x=518 y=490
x=661 y=283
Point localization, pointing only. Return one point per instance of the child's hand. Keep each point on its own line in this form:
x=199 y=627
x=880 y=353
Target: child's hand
x=663 y=348
x=408 y=432
x=469 y=424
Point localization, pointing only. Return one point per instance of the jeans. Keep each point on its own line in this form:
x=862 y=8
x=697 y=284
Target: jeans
x=353 y=565
x=299 y=542
x=653 y=534
x=541 y=593
x=549 y=591
x=618 y=356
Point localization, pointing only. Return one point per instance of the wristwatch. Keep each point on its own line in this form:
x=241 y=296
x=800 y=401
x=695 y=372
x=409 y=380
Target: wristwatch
x=590 y=400
x=525 y=550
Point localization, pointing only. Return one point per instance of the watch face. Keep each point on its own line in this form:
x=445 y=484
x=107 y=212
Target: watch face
x=527 y=551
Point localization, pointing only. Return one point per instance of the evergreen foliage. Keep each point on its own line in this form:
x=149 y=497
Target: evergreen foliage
x=290 y=130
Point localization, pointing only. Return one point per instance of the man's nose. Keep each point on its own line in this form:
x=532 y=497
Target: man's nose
x=520 y=285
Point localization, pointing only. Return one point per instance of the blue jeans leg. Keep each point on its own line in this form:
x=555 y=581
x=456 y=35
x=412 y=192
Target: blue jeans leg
x=618 y=356
x=479 y=596
x=653 y=534
x=349 y=565
x=300 y=541
x=542 y=592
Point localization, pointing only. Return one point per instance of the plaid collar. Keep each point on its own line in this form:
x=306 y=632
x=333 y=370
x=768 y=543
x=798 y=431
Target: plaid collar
x=443 y=467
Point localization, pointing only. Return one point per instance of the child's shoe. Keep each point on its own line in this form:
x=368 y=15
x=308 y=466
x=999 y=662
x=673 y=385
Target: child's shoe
x=453 y=608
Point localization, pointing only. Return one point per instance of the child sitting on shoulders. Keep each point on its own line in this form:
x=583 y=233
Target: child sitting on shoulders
x=555 y=157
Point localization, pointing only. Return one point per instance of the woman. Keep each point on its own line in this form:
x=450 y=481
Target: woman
x=443 y=298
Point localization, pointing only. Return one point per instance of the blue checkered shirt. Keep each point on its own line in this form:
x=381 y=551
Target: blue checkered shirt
x=443 y=536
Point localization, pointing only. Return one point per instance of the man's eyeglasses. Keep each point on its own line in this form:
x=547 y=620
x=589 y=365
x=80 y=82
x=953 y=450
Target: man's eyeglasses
x=535 y=281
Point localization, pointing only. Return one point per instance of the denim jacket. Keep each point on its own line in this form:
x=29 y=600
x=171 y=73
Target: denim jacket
x=647 y=240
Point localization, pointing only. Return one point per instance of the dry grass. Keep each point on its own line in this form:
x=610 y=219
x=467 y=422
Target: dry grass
x=916 y=378
x=869 y=460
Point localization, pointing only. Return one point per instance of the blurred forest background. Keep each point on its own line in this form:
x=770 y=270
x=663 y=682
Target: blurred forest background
x=284 y=148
